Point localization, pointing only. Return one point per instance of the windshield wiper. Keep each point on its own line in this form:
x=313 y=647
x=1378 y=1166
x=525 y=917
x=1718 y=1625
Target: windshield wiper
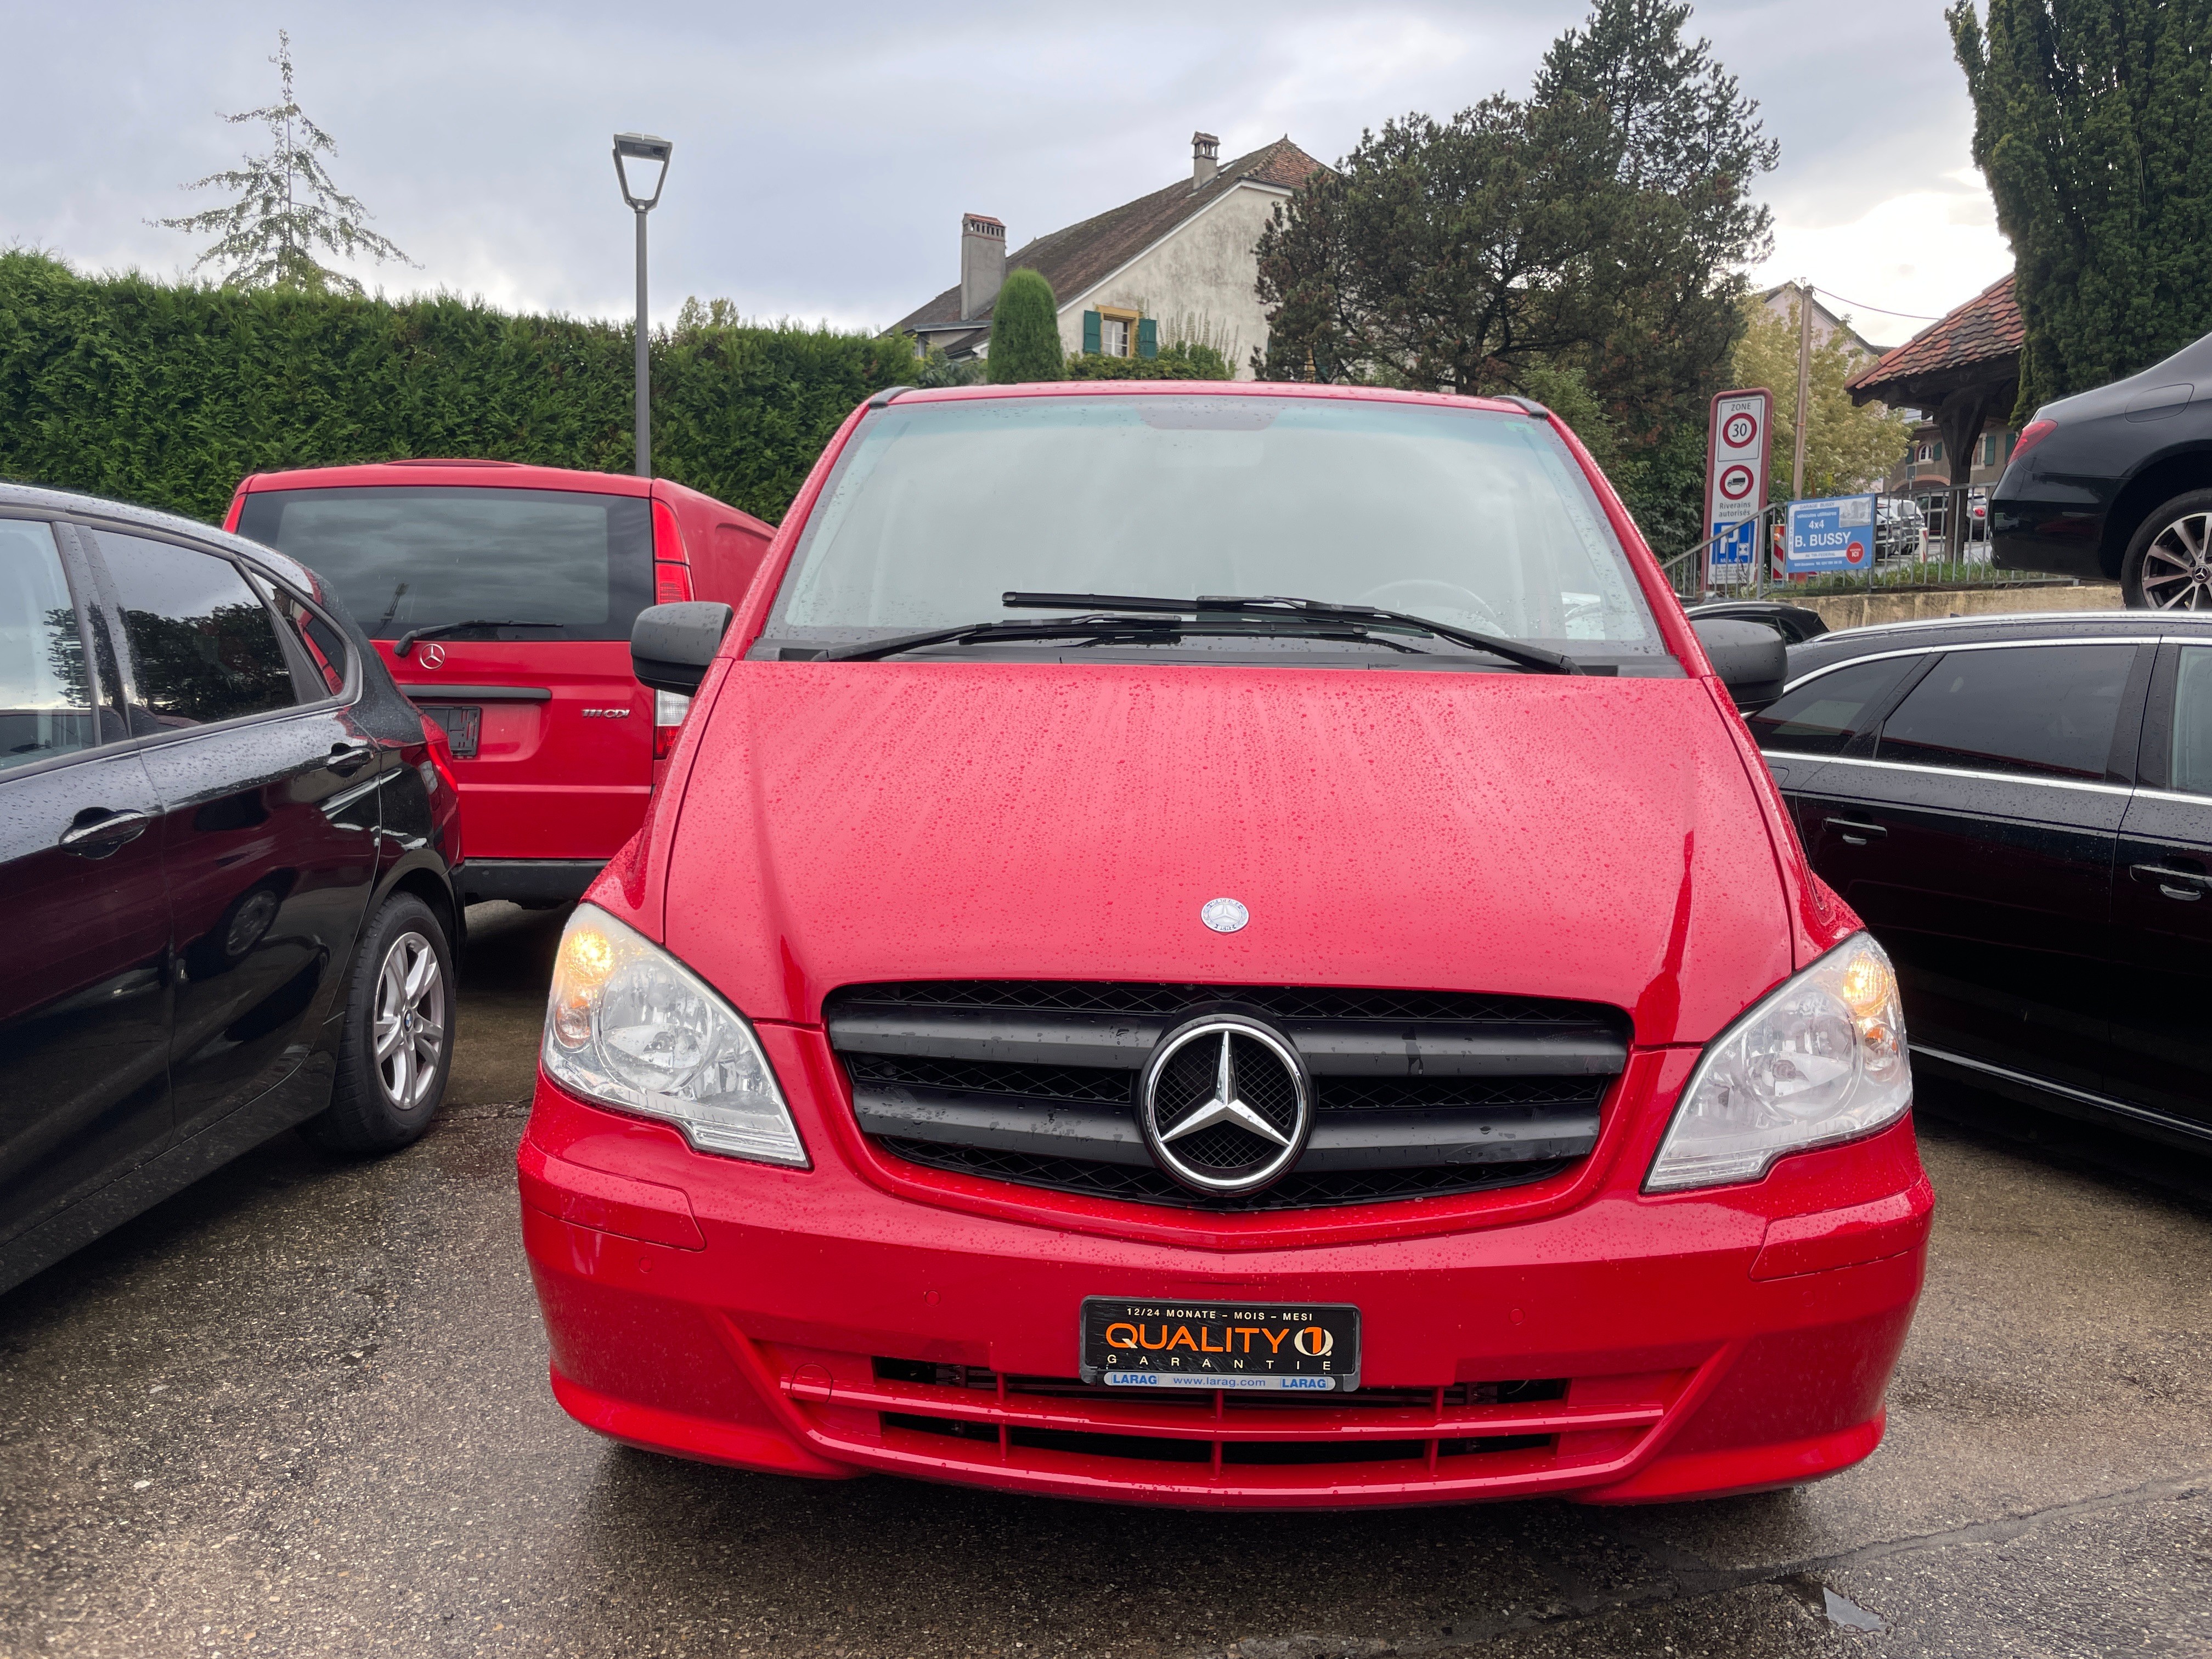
x=1277 y=607
x=1099 y=630
x=406 y=642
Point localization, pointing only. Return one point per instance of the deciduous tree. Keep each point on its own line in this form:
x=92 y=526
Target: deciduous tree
x=1847 y=445
x=1595 y=230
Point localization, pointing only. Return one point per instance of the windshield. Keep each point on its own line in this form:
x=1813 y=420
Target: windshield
x=407 y=556
x=1475 y=519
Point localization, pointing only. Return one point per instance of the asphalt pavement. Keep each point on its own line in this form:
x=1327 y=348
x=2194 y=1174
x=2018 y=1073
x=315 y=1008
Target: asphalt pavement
x=301 y=1408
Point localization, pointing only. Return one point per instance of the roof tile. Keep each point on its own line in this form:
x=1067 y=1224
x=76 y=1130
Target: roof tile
x=1985 y=328
x=1074 y=259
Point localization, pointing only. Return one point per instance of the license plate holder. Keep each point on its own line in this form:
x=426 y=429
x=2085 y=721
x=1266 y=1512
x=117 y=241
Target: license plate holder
x=463 y=723
x=1280 y=1348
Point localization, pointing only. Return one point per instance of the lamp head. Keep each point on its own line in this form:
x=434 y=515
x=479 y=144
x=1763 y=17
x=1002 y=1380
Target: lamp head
x=642 y=160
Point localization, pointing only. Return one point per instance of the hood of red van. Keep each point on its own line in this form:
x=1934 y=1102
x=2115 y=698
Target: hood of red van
x=1587 y=838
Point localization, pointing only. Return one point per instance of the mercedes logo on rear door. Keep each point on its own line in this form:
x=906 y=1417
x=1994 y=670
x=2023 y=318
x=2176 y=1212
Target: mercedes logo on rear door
x=1226 y=1105
x=433 y=655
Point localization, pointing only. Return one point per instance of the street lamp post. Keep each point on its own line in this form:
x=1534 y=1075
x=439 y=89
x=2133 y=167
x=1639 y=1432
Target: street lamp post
x=639 y=156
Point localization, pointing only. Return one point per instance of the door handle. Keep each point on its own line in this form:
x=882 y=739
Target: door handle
x=349 y=758
x=1855 y=834
x=2187 y=886
x=104 y=834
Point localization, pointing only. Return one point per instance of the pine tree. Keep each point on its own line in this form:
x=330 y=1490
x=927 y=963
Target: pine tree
x=286 y=206
x=2093 y=124
x=1025 y=330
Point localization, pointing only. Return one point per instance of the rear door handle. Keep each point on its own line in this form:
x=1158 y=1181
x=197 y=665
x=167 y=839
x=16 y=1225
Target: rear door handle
x=1856 y=833
x=348 y=758
x=2187 y=886
x=103 y=835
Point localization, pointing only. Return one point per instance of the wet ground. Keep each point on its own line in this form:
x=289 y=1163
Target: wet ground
x=302 y=1409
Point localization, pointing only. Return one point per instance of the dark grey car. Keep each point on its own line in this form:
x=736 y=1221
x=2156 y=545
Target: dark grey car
x=2115 y=484
x=226 y=869
x=2020 y=808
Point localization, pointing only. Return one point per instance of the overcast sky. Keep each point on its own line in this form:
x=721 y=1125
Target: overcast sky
x=825 y=153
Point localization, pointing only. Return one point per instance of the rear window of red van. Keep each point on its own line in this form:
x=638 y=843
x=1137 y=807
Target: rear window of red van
x=415 y=556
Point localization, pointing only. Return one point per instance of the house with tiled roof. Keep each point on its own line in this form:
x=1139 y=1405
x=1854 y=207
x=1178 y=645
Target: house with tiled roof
x=1179 y=263
x=1963 y=371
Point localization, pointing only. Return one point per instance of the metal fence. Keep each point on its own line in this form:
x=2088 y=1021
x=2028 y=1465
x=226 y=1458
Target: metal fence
x=1917 y=553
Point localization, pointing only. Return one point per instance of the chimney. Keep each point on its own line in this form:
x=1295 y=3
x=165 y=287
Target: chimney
x=982 y=262
x=1205 y=159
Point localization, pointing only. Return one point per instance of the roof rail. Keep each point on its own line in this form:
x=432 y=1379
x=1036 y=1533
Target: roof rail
x=1529 y=405
x=888 y=395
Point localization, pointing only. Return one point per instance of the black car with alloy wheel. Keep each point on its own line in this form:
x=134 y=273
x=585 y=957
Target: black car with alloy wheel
x=2116 y=485
x=227 y=847
x=2020 y=808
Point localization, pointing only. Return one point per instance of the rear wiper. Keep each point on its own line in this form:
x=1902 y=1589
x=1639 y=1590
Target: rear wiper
x=1099 y=630
x=1275 y=605
x=407 y=641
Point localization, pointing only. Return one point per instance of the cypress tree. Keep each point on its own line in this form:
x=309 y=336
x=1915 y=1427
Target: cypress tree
x=1025 y=330
x=2092 y=126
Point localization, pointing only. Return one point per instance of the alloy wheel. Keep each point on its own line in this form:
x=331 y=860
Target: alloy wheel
x=410 y=1021
x=2176 y=566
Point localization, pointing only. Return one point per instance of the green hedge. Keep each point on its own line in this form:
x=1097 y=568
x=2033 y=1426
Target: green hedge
x=168 y=394
x=1174 y=362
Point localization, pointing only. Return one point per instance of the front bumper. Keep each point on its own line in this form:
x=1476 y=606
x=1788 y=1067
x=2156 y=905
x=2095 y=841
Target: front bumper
x=1615 y=1348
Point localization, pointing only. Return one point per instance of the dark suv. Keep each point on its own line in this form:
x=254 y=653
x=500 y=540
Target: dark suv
x=227 y=863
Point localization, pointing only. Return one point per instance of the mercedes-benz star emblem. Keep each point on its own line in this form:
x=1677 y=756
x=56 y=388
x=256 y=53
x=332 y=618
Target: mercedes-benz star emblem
x=433 y=655
x=1226 y=1105
x=1224 y=916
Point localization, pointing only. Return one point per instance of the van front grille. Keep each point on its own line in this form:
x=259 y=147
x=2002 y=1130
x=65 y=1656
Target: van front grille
x=1417 y=1093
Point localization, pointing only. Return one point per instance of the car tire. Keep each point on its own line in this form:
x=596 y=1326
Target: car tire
x=2168 y=563
x=400 y=995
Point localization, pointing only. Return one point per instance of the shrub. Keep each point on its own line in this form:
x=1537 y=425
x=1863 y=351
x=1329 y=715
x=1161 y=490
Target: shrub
x=1024 y=330
x=1187 y=360
x=168 y=394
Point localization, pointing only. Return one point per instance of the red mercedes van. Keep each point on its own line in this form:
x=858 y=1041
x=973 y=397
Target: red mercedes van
x=1221 y=946
x=501 y=597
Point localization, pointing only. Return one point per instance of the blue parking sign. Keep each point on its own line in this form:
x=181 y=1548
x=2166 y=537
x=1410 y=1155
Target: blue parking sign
x=1731 y=554
x=1830 y=535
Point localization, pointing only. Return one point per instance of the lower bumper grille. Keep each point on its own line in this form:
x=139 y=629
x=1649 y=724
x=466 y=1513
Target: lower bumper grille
x=1416 y=1093
x=1527 y=1433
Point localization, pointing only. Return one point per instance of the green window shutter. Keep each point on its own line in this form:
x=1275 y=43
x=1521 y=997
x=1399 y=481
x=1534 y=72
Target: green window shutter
x=1090 y=332
x=1148 y=337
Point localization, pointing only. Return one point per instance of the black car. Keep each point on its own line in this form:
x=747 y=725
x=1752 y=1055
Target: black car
x=2020 y=808
x=227 y=852
x=2116 y=484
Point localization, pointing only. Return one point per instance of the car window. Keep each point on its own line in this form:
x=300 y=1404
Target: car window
x=1822 y=716
x=45 y=693
x=2047 y=710
x=202 y=646
x=319 y=658
x=414 y=555
x=1473 y=518
x=2191 y=767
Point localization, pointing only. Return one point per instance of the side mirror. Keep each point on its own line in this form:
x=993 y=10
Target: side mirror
x=670 y=644
x=1748 y=656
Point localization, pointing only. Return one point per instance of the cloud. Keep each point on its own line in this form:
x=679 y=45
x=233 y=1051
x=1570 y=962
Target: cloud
x=823 y=154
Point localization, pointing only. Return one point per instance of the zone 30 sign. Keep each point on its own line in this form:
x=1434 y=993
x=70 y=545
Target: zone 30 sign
x=1736 y=448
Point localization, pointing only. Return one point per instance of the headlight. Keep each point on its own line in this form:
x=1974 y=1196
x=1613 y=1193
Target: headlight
x=1820 y=1058
x=630 y=1026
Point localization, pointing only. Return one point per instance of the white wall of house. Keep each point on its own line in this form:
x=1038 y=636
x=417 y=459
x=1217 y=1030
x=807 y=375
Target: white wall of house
x=1208 y=266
